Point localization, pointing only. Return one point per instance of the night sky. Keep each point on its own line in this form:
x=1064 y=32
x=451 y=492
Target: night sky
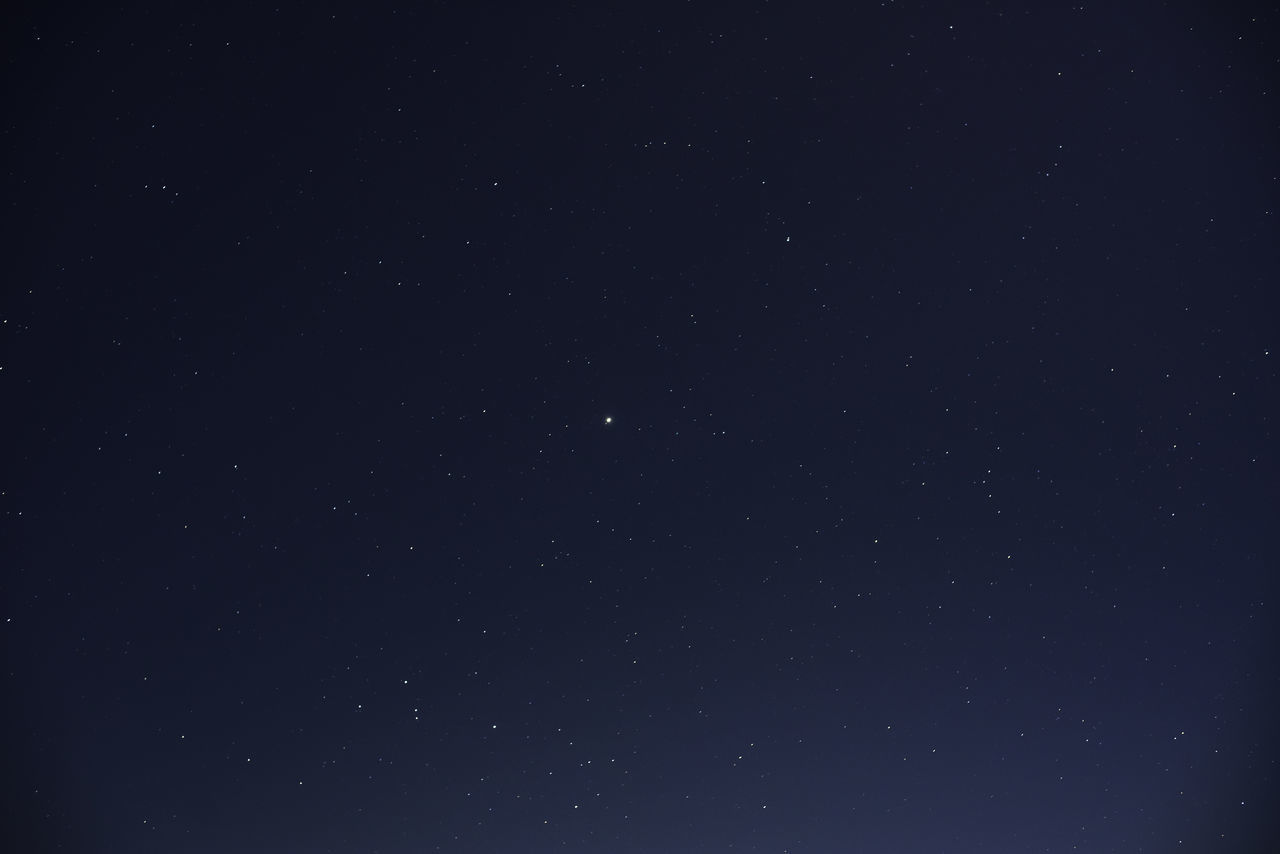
x=640 y=428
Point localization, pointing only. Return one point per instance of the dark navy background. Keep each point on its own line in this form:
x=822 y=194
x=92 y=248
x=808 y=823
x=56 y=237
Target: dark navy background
x=640 y=428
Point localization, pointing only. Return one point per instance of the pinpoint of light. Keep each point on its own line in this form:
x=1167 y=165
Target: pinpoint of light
x=608 y=419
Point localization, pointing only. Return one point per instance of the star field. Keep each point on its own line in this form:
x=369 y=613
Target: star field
x=691 y=427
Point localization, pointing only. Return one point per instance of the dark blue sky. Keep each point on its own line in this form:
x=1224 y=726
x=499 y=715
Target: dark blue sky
x=654 y=428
